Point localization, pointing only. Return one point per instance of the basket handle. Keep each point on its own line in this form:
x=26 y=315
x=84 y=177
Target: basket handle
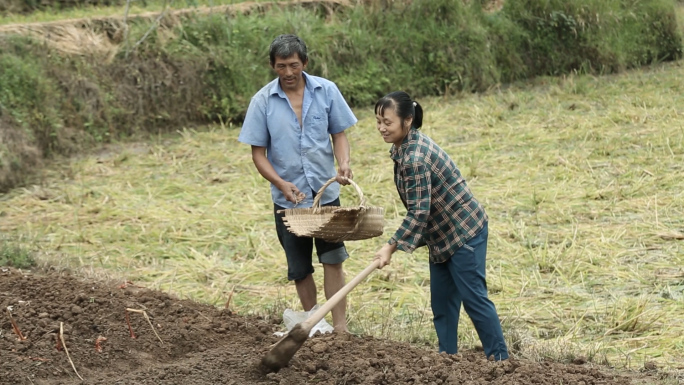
x=317 y=200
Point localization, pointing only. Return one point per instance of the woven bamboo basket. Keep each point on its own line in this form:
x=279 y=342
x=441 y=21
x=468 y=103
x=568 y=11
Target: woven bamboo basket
x=335 y=223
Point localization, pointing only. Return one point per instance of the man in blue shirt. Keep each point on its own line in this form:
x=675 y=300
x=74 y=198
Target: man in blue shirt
x=289 y=124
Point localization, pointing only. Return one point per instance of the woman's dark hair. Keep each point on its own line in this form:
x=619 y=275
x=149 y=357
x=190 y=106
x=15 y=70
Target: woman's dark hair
x=285 y=46
x=404 y=107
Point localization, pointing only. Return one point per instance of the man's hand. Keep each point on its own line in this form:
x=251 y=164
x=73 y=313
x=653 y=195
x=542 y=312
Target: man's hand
x=342 y=154
x=344 y=172
x=291 y=192
x=385 y=254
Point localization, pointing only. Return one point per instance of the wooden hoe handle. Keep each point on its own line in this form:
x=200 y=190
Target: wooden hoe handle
x=335 y=299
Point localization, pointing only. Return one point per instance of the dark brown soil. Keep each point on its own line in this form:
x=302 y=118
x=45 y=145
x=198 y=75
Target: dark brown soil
x=206 y=345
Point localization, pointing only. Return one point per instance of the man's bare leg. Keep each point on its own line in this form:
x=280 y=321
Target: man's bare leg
x=306 y=289
x=333 y=280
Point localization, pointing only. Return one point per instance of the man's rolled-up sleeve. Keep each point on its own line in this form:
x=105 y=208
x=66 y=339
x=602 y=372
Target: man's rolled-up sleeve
x=255 y=129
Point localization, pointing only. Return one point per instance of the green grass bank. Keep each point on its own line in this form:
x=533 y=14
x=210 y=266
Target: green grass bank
x=159 y=76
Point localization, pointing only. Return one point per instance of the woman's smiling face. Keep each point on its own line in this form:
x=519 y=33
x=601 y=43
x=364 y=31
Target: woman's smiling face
x=390 y=126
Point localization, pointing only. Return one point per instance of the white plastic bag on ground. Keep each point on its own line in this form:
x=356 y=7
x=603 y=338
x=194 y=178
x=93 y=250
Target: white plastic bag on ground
x=292 y=318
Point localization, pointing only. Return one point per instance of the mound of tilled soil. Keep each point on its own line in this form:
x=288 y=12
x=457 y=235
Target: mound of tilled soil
x=200 y=344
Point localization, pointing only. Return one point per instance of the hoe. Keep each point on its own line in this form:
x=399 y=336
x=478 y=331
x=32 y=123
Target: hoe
x=281 y=354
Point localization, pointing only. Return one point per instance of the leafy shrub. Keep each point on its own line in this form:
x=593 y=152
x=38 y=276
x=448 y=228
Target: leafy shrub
x=15 y=256
x=26 y=93
x=595 y=35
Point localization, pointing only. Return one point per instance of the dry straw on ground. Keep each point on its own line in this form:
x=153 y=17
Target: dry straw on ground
x=581 y=177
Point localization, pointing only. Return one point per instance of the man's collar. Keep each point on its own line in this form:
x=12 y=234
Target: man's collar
x=310 y=83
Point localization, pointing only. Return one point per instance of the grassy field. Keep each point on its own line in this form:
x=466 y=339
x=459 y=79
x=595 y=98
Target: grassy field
x=581 y=177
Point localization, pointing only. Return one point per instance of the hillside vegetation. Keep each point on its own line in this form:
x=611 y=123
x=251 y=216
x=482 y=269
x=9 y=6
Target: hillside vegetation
x=158 y=75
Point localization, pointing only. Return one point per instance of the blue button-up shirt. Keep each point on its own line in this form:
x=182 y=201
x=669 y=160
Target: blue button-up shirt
x=300 y=155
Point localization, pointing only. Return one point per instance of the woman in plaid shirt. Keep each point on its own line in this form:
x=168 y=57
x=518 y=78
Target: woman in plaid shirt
x=443 y=215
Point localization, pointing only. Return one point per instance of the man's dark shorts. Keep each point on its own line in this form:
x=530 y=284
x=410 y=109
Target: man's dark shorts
x=299 y=250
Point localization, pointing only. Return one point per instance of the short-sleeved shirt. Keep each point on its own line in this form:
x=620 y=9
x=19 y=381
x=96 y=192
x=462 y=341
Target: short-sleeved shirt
x=302 y=156
x=441 y=210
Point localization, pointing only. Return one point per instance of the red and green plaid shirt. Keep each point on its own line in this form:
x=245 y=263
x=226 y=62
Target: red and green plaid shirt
x=441 y=211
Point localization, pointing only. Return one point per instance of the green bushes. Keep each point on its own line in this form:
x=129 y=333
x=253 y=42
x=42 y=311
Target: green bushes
x=594 y=35
x=427 y=47
x=234 y=53
x=26 y=95
x=14 y=255
x=27 y=115
x=206 y=68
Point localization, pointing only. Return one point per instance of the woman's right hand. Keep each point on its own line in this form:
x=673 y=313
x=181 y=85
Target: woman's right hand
x=385 y=255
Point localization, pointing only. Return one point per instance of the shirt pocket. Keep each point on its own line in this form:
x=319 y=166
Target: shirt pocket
x=317 y=124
